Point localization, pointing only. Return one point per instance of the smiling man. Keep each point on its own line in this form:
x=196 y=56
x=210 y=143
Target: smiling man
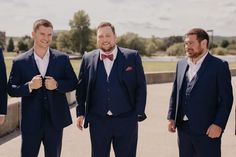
x=201 y=99
x=42 y=76
x=111 y=95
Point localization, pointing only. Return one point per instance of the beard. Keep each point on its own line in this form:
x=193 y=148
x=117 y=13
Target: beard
x=107 y=49
x=191 y=53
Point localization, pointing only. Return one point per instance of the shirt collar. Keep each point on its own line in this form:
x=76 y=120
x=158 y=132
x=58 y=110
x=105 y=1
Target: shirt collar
x=199 y=62
x=114 y=52
x=36 y=57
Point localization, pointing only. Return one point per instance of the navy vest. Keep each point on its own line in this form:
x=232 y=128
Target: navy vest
x=109 y=93
x=43 y=97
x=186 y=89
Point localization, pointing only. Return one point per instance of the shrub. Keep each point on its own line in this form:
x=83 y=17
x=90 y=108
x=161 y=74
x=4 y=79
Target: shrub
x=220 y=51
x=176 y=50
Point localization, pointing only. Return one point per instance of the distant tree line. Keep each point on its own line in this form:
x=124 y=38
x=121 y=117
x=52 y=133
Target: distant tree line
x=81 y=38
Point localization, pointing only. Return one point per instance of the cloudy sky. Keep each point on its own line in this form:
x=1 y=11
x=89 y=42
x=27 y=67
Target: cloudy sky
x=161 y=18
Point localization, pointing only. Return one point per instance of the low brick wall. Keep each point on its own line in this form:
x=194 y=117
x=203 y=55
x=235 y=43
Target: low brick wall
x=233 y=72
x=164 y=77
x=13 y=117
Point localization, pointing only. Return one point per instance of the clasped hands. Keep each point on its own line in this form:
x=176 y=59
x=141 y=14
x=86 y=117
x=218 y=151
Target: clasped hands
x=37 y=82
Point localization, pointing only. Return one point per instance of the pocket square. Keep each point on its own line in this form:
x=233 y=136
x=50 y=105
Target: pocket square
x=129 y=68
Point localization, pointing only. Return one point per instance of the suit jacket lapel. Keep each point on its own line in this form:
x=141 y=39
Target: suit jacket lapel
x=50 y=63
x=35 y=69
x=93 y=73
x=202 y=68
x=120 y=58
x=183 y=67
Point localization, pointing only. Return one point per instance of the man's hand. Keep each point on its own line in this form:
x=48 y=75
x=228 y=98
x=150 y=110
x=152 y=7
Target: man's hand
x=50 y=83
x=214 y=131
x=2 y=119
x=36 y=82
x=80 y=122
x=171 y=126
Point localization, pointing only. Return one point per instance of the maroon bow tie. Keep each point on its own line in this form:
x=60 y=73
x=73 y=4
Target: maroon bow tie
x=109 y=56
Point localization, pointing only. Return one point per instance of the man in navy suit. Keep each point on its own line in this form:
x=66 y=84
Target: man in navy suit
x=201 y=99
x=3 y=89
x=113 y=87
x=42 y=76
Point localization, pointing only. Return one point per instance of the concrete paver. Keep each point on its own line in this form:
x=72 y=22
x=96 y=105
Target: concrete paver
x=154 y=139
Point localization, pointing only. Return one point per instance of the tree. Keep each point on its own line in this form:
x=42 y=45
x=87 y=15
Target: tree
x=28 y=41
x=53 y=44
x=172 y=40
x=80 y=32
x=92 y=40
x=176 y=49
x=224 y=43
x=63 y=42
x=219 y=51
x=25 y=43
x=212 y=45
x=10 y=47
x=132 y=41
x=151 y=48
x=22 y=46
x=153 y=45
x=231 y=46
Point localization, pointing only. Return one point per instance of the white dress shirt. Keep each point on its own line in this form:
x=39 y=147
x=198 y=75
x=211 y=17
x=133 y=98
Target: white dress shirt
x=107 y=62
x=193 y=68
x=42 y=63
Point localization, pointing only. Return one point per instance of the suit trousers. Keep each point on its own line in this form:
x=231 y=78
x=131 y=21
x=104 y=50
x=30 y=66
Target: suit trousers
x=120 y=131
x=192 y=145
x=51 y=138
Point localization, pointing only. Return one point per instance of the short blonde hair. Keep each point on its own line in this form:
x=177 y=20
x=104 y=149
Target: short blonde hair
x=41 y=22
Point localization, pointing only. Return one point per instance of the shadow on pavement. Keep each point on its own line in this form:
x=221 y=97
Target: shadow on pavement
x=10 y=136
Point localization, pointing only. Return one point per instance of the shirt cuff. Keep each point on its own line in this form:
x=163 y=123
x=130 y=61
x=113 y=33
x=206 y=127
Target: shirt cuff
x=2 y=115
x=30 y=90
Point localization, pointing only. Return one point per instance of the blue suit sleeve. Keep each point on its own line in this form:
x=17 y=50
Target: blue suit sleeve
x=225 y=97
x=3 y=84
x=15 y=86
x=141 y=89
x=69 y=81
x=81 y=91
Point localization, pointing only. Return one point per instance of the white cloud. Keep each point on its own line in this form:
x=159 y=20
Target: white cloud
x=149 y=17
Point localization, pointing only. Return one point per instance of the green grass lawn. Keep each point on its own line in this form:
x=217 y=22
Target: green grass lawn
x=149 y=66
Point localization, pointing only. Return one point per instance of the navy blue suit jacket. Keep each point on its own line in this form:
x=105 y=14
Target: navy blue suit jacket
x=211 y=97
x=3 y=85
x=131 y=76
x=23 y=70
